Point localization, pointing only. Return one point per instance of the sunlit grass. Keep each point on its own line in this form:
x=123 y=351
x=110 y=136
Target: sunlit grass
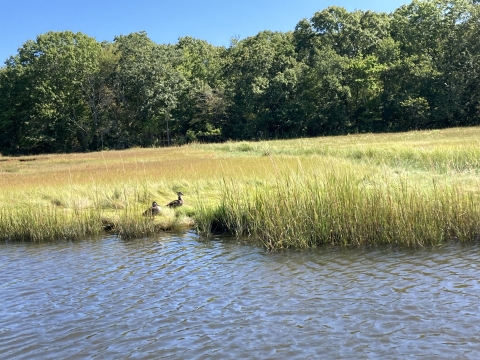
x=344 y=204
x=416 y=188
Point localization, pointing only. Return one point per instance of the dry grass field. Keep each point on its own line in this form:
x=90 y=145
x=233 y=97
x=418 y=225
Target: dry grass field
x=355 y=189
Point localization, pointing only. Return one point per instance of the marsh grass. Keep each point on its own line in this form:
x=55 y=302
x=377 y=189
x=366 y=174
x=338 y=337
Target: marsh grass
x=131 y=224
x=47 y=223
x=336 y=207
x=51 y=223
x=412 y=189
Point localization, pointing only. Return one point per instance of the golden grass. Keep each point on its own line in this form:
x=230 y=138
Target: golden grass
x=344 y=204
x=87 y=193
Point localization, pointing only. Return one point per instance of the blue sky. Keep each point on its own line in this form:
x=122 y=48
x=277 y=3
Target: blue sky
x=215 y=21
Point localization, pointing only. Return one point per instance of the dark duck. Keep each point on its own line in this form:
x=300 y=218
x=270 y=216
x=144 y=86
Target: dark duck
x=152 y=211
x=176 y=203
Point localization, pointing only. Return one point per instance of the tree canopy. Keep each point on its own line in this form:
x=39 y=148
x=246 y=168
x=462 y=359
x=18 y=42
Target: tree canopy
x=337 y=72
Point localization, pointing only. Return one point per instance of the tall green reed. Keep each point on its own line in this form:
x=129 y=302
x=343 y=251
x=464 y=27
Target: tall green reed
x=47 y=223
x=305 y=209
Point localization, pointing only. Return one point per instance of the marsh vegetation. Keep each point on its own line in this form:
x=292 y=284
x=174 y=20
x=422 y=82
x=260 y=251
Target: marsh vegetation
x=408 y=189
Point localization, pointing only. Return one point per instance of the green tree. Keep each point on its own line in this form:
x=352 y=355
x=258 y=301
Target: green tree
x=147 y=89
x=98 y=93
x=469 y=65
x=416 y=111
x=350 y=33
x=202 y=111
x=14 y=108
x=324 y=94
x=431 y=35
x=261 y=75
x=342 y=88
x=48 y=76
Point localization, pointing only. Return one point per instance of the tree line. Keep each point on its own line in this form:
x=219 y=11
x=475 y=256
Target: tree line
x=338 y=72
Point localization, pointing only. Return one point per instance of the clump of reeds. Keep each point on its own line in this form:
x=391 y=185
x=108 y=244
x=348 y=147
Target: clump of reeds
x=130 y=223
x=309 y=209
x=47 y=223
x=51 y=223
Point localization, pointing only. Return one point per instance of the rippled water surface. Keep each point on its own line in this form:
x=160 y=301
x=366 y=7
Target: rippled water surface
x=179 y=297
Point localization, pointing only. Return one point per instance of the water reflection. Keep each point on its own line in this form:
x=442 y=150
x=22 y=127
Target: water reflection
x=179 y=297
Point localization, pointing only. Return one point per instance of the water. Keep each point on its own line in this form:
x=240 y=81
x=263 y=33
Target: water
x=178 y=297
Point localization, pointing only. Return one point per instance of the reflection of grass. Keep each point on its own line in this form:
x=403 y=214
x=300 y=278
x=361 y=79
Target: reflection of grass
x=357 y=189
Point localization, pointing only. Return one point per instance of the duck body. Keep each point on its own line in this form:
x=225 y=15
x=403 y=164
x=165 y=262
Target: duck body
x=153 y=210
x=176 y=203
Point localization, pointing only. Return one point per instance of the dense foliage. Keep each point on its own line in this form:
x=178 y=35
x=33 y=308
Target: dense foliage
x=338 y=72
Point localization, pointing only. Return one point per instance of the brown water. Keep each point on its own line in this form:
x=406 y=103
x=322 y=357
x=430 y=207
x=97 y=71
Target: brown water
x=182 y=298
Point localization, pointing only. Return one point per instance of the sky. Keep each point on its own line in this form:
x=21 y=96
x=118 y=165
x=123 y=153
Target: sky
x=216 y=21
